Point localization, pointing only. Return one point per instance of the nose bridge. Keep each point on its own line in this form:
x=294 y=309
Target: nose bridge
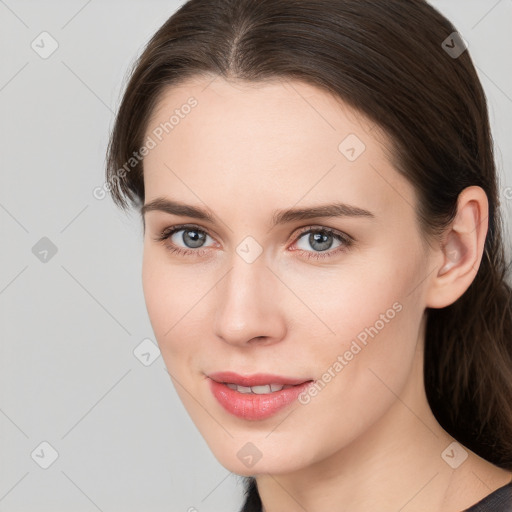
x=247 y=303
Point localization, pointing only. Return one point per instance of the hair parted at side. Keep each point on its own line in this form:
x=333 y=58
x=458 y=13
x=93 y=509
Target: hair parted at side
x=386 y=60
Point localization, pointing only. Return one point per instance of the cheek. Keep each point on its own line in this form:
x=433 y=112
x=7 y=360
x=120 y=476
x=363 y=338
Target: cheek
x=376 y=315
x=364 y=290
x=368 y=378
x=379 y=323
x=177 y=299
x=168 y=293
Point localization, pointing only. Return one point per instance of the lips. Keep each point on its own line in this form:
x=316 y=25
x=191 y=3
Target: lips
x=255 y=397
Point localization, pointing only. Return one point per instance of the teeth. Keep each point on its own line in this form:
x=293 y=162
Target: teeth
x=258 y=390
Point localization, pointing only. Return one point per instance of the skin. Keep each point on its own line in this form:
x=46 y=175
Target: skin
x=368 y=440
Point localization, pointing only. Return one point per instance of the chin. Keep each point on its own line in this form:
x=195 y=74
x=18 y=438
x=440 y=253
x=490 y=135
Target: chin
x=251 y=458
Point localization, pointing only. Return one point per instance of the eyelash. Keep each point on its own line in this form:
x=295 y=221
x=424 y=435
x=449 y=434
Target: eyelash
x=346 y=241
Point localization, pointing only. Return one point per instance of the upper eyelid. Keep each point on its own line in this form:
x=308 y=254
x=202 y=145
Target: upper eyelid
x=171 y=230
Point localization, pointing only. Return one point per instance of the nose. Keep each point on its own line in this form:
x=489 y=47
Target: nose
x=249 y=308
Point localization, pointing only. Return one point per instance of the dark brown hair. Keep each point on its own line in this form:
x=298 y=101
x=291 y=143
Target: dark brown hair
x=387 y=60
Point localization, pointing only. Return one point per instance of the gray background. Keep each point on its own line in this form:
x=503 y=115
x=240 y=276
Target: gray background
x=69 y=326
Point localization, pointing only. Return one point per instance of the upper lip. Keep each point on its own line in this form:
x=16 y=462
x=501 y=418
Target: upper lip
x=257 y=379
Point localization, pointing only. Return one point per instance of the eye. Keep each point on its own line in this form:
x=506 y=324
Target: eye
x=321 y=239
x=191 y=237
x=189 y=240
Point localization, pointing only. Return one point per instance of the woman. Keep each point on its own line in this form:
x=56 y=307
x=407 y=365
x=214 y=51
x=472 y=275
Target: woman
x=323 y=260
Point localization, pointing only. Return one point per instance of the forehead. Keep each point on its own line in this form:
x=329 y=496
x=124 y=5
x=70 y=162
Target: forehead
x=290 y=109
x=288 y=140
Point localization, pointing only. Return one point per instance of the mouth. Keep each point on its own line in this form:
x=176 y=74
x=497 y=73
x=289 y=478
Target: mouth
x=260 y=379
x=257 y=390
x=255 y=397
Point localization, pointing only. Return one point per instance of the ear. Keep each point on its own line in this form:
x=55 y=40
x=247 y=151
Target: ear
x=460 y=253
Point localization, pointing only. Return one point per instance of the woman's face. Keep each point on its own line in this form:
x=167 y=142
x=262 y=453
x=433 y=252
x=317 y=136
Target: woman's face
x=334 y=296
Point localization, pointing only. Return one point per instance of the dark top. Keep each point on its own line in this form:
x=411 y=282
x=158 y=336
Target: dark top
x=498 y=501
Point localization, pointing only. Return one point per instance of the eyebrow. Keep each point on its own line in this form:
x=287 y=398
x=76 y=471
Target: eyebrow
x=279 y=216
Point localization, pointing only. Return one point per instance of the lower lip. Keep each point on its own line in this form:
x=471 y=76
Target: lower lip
x=250 y=406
